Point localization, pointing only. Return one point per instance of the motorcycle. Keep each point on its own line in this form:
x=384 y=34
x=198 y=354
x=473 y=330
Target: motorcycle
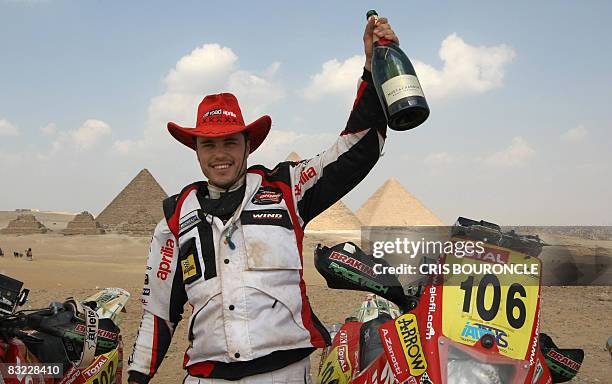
x=74 y=342
x=452 y=328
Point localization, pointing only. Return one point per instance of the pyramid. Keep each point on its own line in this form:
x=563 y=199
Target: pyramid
x=142 y=195
x=83 y=224
x=338 y=217
x=142 y=224
x=392 y=205
x=24 y=224
x=293 y=157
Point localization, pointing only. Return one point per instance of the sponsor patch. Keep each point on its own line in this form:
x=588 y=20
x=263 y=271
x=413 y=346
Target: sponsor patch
x=408 y=332
x=95 y=367
x=564 y=360
x=146 y=291
x=189 y=221
x=189 y=261
x=81 y=328
x=474 y=331
x=537 y=373
x=345 y=365
x=394 y=351
x=352 y=262
x=167 y=253
x=491 y=255
x=189 y=267
x=425 y=379
x=267 y=195
x=279 y=217
x=71 y=376
x=146 y=281
x=219 y=115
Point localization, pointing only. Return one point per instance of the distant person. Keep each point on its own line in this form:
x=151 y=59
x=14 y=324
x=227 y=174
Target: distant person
x=29 y=254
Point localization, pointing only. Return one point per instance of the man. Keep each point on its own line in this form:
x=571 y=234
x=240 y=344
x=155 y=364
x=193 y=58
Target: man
x=232 y=246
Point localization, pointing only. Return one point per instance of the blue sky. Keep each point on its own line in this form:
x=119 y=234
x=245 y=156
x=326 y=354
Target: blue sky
x=520 y=126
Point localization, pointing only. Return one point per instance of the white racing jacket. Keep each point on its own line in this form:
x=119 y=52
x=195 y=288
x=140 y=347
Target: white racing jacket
x=250 y=309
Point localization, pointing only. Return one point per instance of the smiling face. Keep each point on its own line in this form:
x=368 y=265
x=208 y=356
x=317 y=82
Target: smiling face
x=222 y=159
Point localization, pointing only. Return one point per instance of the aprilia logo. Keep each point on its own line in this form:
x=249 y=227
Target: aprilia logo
x=167 y=253
x=305 y=176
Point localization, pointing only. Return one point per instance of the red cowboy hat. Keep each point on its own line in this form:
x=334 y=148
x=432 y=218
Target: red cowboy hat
x=218 y=116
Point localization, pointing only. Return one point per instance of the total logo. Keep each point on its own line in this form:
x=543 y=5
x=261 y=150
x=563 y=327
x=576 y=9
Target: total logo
x=167 y=254
x=491 y=255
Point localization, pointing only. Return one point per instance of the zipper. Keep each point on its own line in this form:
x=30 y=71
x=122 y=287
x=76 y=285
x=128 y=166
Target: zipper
x=190 y=336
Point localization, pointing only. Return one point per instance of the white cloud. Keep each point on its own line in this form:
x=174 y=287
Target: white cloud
x=574 y=135
x=8 y=129
x=517 y=154
x=205 y=67
x=335 y=78
x=467 y=69
x=438 y=159
x=256 y=93
x=49 y=129
x=89 y=133
x=208 y=69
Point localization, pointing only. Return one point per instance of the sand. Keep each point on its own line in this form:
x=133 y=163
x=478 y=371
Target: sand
x=76 y=265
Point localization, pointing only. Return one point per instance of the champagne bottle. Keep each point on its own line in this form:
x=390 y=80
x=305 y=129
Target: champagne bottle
x=397 y=85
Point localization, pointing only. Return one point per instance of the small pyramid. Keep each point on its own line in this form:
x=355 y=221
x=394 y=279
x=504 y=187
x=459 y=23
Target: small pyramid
x=142 y=194
x=392 y=205
x=24 y=224
x=83 y=224
x=293 y=157
x=338 y=217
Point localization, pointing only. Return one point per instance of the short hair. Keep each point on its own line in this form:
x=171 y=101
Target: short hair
x=244 y=133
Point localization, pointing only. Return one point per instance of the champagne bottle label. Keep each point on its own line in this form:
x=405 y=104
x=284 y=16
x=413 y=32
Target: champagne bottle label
x=401 y=86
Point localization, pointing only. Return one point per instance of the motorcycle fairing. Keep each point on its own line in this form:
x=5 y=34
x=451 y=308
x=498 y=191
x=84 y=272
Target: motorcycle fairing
x=476 y=364
x=342 y=359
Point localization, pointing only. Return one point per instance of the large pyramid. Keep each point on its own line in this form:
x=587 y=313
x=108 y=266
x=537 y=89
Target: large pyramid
x=392 y=205
x=143 y=195
x=338 y=217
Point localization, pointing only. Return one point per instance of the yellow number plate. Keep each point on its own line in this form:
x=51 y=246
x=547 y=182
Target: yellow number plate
x=503 y=305
x=103 y=369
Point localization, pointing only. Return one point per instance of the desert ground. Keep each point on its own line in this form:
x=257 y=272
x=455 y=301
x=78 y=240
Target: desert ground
x=66 y=266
